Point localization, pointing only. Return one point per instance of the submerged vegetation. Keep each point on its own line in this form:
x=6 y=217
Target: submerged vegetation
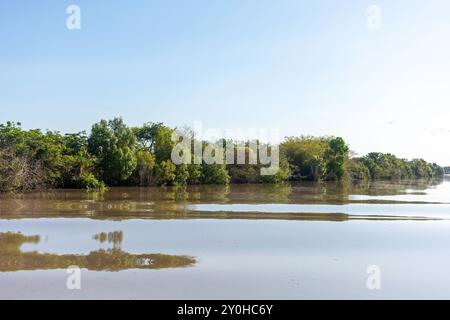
x=114 y=154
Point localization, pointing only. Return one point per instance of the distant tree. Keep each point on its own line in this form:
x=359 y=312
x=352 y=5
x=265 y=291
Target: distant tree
x=357 y=170
x=214 y=174
x=118 y=155
x=387 y=166
x=79 y=163
x=156 y=138
x=181 y=174
x=113 y=146
x=437 y=170
x=335 y=158
x=19 y=172
x=421 y=169
x=195 y=173
x=306 y=155
x=282 y=174
x=143 y=174
x=166 y=173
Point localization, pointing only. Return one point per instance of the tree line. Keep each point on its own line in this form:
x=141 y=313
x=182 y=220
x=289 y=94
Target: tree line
x=114 y=154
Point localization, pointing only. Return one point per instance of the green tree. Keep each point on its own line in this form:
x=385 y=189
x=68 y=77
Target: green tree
x=306 y=155
x=166 y=173
x=282 y=174
x=156 y=138
x=181 y=174
x=214 y=174
x=144 y=172
x=335 y=158
x=357 y=170
x=113 y=146
x=195 y=173
x=79 y=163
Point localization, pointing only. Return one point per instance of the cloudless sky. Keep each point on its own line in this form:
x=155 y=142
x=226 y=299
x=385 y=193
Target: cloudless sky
x=302 y=67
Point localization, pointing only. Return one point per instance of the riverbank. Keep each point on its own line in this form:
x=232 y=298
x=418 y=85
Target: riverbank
x=114 y=154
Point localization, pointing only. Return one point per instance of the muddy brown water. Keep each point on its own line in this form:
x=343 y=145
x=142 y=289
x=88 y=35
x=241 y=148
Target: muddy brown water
x=298 y=241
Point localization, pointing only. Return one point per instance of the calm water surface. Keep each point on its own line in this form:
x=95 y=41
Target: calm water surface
x=300 y=241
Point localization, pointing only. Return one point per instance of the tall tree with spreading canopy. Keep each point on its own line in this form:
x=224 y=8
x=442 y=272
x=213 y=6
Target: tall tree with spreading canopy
x=336 y=157
x=113 y=146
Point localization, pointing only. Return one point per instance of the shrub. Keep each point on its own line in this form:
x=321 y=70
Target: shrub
x=214 y=174
x=195 y=173
x=181 y=174
x=90 y=182
x=282 y=174
x=19 y=172
x=144 y=172
x=165 y=173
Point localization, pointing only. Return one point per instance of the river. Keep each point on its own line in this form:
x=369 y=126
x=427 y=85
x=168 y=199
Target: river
x=299 y=241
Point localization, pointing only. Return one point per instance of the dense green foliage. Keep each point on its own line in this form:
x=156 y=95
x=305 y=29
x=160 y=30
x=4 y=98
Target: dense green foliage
x=387 y=166
x=314 y=158
x=113 y=147
x=115 y=154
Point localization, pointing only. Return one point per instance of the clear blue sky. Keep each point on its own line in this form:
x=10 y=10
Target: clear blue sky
x=302 y=67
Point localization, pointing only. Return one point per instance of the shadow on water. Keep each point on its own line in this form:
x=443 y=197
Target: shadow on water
x=13 y=259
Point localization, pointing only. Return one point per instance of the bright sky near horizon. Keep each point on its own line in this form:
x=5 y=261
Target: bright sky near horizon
x=299 y=66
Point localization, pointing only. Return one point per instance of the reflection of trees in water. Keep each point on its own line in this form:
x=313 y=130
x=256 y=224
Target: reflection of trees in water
x=170 y=202
x=13 y=259
x=115 y=238
x=329 y=192
x=259 y=193
x=392 y=188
